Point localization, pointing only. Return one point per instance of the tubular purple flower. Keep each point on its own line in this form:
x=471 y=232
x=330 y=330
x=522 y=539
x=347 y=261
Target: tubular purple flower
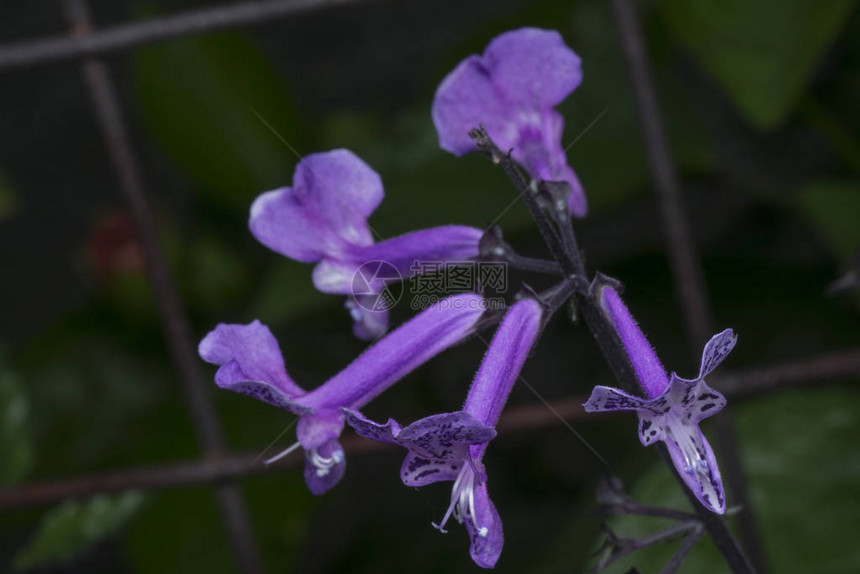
x=674 y=407
x=251 y=363
x=450 y=446
x=512 y=90
x=322 y=219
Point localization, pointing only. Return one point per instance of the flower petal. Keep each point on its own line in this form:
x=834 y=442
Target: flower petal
x=324 y=212
x=706 y=483
x=485 y=550
x=372 y=430
x=421 y=471
x=445 y=437
x=533 y=67
x=716 y=350
x=706 y=402
x=650 y=428
x=324 y=467
x=251 y=363
x=609 y=399
x=367 y=325
x=466 y=99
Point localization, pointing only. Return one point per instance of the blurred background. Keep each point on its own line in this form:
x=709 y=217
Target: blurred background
x=760 y=103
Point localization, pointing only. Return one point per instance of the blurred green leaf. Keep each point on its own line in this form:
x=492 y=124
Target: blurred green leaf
x=215 y=274
x=8 y=198
x=200 y=98
x=16 y=448
x=286 y=289
x=762 y=53
x=799 y=449
x=70 y=529
x=834 y=209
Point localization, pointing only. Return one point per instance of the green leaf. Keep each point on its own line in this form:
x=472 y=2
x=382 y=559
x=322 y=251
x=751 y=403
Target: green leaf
x=8 y=198
x=833 y=209
x=69 y=530
x=802 y=464
x=16 y=448
x=200 y=99
x=761 y=53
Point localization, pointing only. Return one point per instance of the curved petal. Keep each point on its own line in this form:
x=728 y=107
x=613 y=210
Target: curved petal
x=466 y=99
x=533 y=67
x=325 y=210
x=419 y=471
x=609 y=399
x=372 y=430
x=716 y=350
x=576 y=201
x=446 y=436
x=486 y=546
x=250 y=363
x=324 y=467
x=703 y=480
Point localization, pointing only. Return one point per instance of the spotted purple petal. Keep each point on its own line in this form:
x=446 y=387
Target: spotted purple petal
x=370 y=429
x=716 y=350
x=698 y=467
x=609 y=399
x=445 y=437
x=418 y=470
x=651 y=428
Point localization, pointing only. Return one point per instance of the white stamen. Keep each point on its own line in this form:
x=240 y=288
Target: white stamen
x=462 y=502
x=283 y=453
x=324 y=464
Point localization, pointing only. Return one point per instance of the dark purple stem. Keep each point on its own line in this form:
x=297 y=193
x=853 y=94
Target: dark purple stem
x=174 y=321
x=684 y=261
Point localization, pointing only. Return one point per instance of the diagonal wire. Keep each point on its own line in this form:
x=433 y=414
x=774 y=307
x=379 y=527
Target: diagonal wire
x=276 y=439
x=552 y=410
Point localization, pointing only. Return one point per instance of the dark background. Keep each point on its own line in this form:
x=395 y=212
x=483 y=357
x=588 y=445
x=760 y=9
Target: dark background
x=760 y=104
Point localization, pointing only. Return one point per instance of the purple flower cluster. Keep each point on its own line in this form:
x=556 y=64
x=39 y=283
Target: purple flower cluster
x=511 y=90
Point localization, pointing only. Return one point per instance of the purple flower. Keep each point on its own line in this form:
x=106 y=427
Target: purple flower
x=674 y=407
x=450 y=446
x=512 y=90
x=322 y=219
x=251 y=363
